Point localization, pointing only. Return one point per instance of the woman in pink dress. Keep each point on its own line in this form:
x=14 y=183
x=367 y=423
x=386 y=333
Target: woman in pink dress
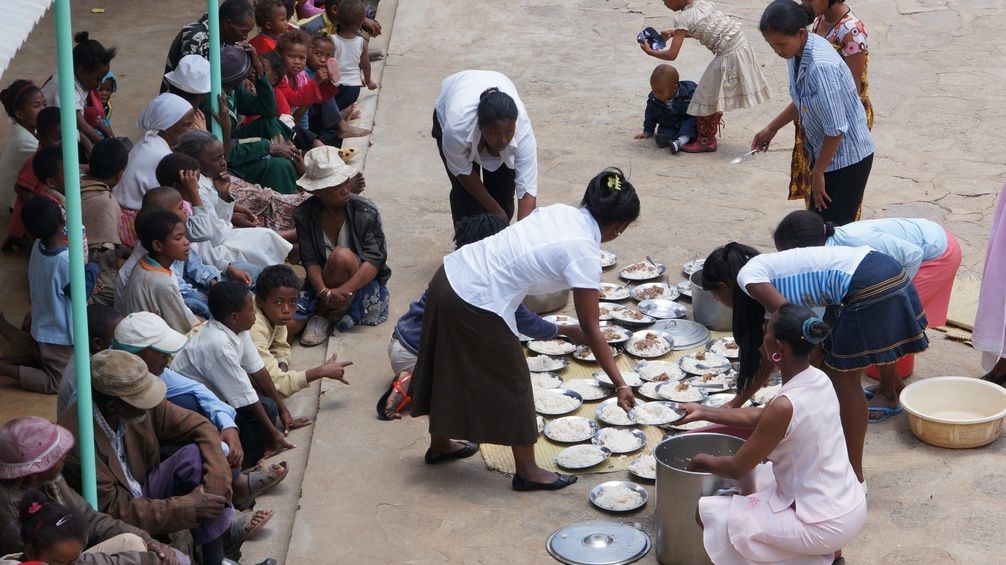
x=807 y=502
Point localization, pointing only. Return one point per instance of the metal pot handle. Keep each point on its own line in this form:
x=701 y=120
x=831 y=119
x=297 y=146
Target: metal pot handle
x=731 y=491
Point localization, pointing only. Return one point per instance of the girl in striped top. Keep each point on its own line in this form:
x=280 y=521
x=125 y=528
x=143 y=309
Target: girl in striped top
x=871 y=305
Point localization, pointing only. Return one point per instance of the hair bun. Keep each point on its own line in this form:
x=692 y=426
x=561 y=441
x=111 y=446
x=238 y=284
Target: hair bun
x=815 y=330
x=829 y=229
x=82 y=37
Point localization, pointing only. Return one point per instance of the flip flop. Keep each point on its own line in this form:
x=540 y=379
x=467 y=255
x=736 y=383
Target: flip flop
x=523 y=484
x=870 y=391
x=260 y=480
x=242 y=529
x=434 y=457
x=884 y=412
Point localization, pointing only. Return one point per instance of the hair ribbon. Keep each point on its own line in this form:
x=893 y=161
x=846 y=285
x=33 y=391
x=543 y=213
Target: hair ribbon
x=34 y=507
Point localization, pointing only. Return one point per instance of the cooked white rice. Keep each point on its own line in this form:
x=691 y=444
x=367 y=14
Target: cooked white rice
x=766 y=394
x=543 y=364
x=570 y=429
x=681 y=392
x=649 y=390
x=613 y=414
x=618 y=441
x=631 y=378
x=552 y=402
x=579 y=456
x=660 y=371
x=618 y=497
x=654 y=413
x=589 y=390
x=645 y=466
x=545 y=380
x=552 y=347
x=641 y=270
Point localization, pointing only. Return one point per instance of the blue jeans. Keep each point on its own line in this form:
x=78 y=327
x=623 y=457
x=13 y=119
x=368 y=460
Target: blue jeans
x=347 y=95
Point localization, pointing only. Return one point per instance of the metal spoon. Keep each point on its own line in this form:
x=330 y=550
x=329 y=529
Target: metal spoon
x=744 y=157
x=652 y=263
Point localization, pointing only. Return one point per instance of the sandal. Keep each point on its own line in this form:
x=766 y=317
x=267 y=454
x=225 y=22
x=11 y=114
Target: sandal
x=243 y=529
x=260 y=480
x=884 y=413
x=870 y=391
x=400 y=385
x=434 y=457
x=523 y=484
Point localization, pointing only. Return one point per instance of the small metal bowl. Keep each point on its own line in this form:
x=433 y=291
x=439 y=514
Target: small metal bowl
x=596 y=492
x=598 y=439
x=594 y=428
x=662 y=309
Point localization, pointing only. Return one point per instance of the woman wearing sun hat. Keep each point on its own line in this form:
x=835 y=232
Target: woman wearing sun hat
x=32 y=452
x=191 y=81
x=342 y=248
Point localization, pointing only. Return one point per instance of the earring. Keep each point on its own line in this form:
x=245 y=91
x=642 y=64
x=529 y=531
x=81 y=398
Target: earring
x=776 y=357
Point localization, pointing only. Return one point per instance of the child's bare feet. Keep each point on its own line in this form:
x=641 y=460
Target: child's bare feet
x=351 y=112
x=347 y=131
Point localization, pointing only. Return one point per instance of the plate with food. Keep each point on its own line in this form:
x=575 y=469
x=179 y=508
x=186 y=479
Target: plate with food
x=765 y=394
x=642 y=271
x=552 y=347
x=562 y=320
x=644 y=467
x=571 y=429
x=608 y=259
x=720 y=400
x=613 y=334
x=546 y=364
x=613 y=291
x=657 y=413
x=682 y=391
x=725 y=346
x=581 y=456
x=604 y=310
x=584 y=353
x=588 y=389
x=618 y=496
x=620 y=440
x=659 y=371
x=662 y=309
x=689 y=426
x=545 y=380
x=685 y=288
x=714 y=381
x=649 y=390
x=650 y=291
x=631 y=378
x=702 y=362
x=632 y=317
x=541 y=423
x=612 y=414
x=556 y=401
x=647 y=344
x=693 y=266
x=523 y=338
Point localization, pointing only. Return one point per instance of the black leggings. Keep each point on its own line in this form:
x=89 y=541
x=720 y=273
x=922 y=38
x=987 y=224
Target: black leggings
x=845 y=186
x=501 y=185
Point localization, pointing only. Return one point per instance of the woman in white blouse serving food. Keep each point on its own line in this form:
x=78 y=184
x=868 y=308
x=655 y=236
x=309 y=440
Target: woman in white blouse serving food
x=487 y=145
x=471 y=376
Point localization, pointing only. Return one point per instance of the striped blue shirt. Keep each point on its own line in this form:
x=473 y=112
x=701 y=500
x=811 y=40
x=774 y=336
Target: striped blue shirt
x=825 y=94
x=814 y=277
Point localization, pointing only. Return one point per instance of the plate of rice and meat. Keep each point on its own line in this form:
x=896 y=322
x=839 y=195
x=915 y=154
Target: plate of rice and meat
x=642 y=271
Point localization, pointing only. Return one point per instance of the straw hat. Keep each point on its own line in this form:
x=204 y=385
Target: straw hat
x=31 y=445
x=122 y=375
x=192 y=75
x=324 y=168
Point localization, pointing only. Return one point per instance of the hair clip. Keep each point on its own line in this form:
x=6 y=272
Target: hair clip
x=614 y=182
x=34 y=507
x=64 y=520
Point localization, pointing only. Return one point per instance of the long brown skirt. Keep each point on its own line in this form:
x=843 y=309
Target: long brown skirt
x=471 y=376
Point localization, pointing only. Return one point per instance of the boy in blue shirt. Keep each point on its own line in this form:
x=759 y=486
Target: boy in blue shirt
x=666 y=119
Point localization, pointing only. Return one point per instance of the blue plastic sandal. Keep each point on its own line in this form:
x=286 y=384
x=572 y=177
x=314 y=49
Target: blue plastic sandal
x=884 y=412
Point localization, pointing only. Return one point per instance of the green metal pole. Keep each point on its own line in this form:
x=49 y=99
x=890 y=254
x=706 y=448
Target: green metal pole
x=75 y=231
x=216 y=84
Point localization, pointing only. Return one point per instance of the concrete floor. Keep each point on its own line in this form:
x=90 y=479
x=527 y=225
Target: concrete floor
x=937 y=75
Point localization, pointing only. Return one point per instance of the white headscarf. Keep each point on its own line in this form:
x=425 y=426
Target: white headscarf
x=163 y=112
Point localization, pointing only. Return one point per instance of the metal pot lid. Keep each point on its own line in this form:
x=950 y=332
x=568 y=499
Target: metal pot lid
x=598 y=542
x=685 y=334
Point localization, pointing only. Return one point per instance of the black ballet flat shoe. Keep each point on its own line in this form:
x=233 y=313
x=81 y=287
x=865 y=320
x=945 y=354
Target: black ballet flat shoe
x=434 y=457
x=523 y=484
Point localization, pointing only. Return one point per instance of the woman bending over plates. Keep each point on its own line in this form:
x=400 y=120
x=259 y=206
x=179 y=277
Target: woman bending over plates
x=807 y=503
x=874 y=312
x=471 y=376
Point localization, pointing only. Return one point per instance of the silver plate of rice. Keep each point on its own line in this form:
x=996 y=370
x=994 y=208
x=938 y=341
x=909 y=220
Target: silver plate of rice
x=654 y=290
x=604 y=310
x=545 y=380
x=556 y=401
x=546 y=364
x=613 y=291
x=620 y=440
x=612 y=414
x=608 y=259
x=553 y=347
x=618 y=496
x=571 y=429
x=581 y=456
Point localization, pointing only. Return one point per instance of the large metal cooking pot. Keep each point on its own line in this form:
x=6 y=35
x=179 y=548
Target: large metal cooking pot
x=545 y=303
x=708 y=311
x=679 y=538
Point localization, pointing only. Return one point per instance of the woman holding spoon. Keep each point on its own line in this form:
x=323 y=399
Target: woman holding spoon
x=826 y=101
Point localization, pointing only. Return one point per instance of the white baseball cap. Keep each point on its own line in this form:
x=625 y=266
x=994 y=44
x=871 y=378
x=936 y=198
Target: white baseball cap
x=141 y=330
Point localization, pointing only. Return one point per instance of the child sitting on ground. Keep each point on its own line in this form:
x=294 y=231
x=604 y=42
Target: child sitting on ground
x=272 y=18
x=38 y=357
x=27 y=185
x=325 y=119
x=50 y=531
x=276 y=293
x=297 y=87
x=22 y=101
x=100 y=211
x=666 y=119
x=91 y=62
x=222 y=357
x=351 y=52
x=151 y=286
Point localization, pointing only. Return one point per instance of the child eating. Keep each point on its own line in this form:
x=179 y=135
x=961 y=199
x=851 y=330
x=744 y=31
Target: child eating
x=666 y=119
x=276 y=293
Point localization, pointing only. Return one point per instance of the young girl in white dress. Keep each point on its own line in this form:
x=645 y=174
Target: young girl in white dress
x=807 y=502
x=732 y=80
